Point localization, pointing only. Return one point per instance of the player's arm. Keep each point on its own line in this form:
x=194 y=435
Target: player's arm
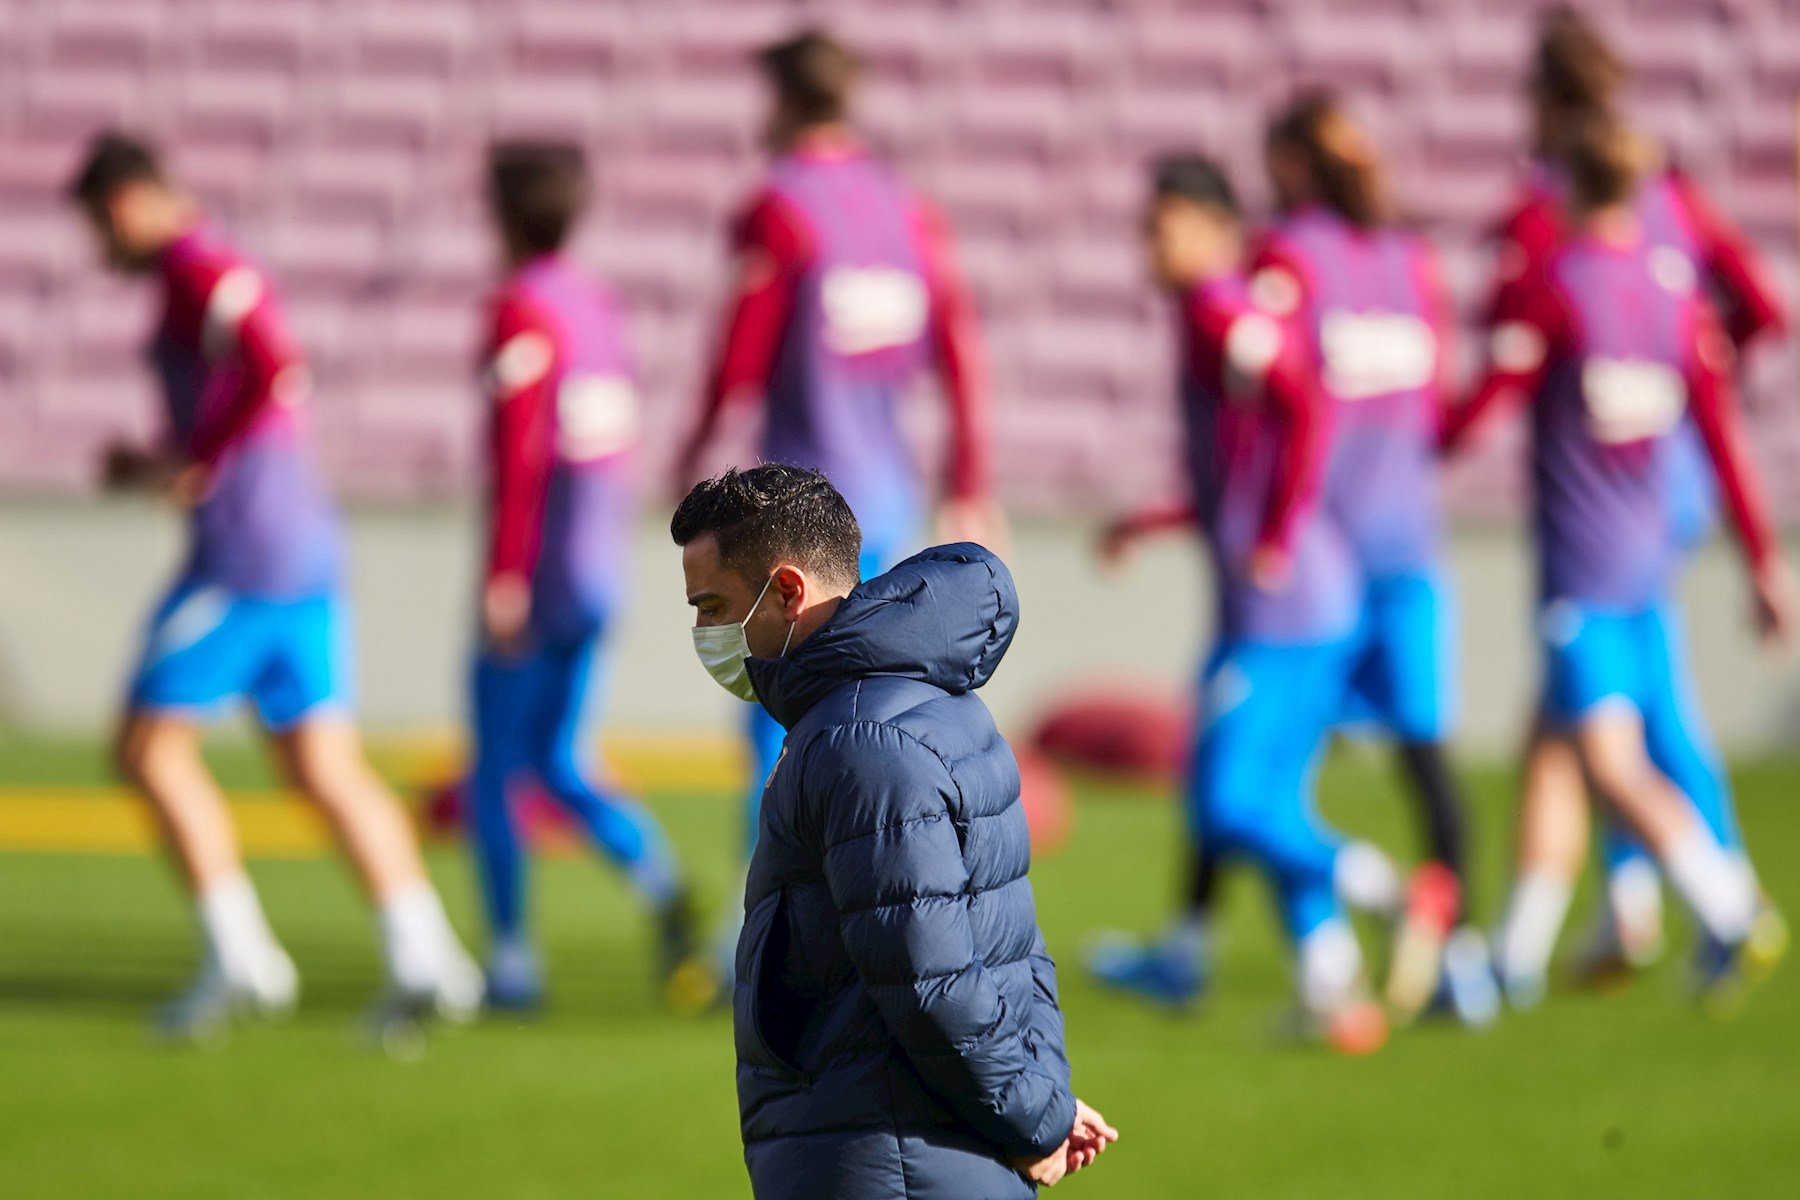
x=1290 y=391
x=1522 y=241
x=955 y=334
x=1281 y=286
x=243 y=322
x=1712 y=399
x=518 y=378
x=893 y=863
x=1440 y=314
x=1530 y=331
x=1751 y=307
x=1123 y=533
x=772 y=246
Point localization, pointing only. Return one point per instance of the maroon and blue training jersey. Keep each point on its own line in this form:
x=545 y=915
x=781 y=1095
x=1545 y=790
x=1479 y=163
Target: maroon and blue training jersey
x=1613 y=353
x=1257 y=436
x=1370 y=309
x=1689 y=241
x=565 y=423
x=848 y=290
x=235 y=388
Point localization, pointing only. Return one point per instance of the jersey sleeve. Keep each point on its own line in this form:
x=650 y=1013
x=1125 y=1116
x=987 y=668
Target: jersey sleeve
x=1262 y=361
x=1523 y=240
x=773 y=246
x=1292 y=393
x=519 y=380
x=956 y=347
x=1530 y=330
x=1736 y=272
x=1712 y=400
x=242 y=325
x=1280 y=284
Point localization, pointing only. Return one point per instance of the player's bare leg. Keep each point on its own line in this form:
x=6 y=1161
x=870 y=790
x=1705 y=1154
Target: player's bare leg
x=244 y=969
x=1718 y=887
x=1553 y=841
x=426 y=965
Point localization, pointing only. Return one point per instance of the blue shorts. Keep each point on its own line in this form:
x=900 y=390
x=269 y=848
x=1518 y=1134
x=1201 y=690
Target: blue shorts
x=206 y=646
x=1595 y=656
x=1265 y=711
x=1404 y=679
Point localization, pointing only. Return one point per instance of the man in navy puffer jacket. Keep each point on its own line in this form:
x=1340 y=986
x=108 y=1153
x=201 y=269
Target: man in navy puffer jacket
x=897 y=1026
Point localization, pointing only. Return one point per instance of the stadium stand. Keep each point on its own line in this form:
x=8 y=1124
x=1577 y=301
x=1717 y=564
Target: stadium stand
x=340 y=139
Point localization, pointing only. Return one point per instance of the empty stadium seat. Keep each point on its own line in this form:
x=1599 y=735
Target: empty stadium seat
x=343 y=143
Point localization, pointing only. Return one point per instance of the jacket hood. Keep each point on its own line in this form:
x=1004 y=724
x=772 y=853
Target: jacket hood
x=944 y=617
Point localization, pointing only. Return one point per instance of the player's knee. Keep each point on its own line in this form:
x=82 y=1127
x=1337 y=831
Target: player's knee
x=141 y=750
x=334 y=781
x=561 y=775
x=1624 y=780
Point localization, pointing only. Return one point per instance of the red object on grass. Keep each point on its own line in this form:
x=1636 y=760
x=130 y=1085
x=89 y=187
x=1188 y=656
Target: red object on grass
x=547 y=826
x=1433 y=897
x=1118 y=733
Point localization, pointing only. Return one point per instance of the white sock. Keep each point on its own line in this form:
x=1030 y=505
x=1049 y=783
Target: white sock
x=1330 y=965
x=237 y=934
x=417 y=943
x=1742 y=858
x=1365 y=879
x=1534 y=916
x=1715 y=885
x=1634 y=917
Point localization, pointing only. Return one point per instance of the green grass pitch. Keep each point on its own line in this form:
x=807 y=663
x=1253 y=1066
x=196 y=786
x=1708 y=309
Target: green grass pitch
x=1634 y=1094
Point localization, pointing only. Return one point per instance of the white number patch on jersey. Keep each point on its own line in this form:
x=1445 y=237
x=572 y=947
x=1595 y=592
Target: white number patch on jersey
x=1629 y=400
x=1376 y=354
x=872 y=308
x=522 y=361
x=1252 y=344
x=234 y=296
x=596 y=416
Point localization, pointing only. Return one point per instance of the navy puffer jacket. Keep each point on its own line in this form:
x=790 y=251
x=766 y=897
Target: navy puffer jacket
x=897 y=1025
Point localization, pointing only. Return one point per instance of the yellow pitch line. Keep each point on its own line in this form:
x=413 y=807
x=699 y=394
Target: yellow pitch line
x=106 y=821
x=647 y=762
x=276 y=824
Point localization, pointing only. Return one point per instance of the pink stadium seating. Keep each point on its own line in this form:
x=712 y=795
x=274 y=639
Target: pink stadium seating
x=342 y=140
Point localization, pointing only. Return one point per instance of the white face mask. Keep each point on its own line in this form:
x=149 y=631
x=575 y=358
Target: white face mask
x=723 y=649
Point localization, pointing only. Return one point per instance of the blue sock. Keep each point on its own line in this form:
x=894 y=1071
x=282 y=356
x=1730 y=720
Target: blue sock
x=494 y=835
x=561 y=727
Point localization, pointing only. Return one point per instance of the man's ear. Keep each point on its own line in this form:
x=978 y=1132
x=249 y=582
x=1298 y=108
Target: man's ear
x=795 y=588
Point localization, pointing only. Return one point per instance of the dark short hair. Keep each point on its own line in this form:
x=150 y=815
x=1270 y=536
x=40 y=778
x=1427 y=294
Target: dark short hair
x=769 y=513
x=537 y=190
x=113 y=160
x=812 y=74
x=1196 y=179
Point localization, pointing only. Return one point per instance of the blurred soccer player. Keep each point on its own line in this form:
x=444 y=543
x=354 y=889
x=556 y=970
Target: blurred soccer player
x=255 y=612
x=562 y=439
x=1289 y=592
x=1576 y=78
x=846 y=288
x=1612 y=350
x=1366 y=300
